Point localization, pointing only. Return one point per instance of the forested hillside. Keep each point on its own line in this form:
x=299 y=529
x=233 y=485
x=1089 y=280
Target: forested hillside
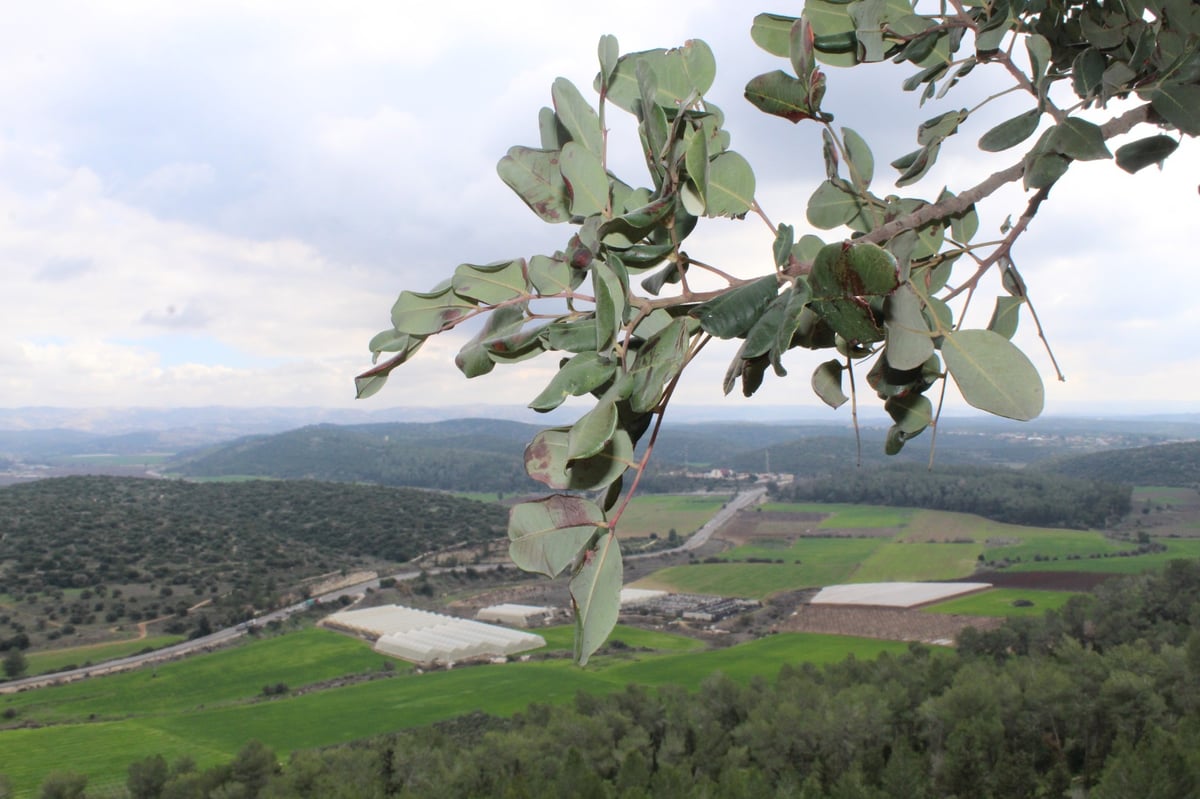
x=465 y=455
x=1006 y=495
x=1101 y=699
x=141 y=548
x=1175 y=464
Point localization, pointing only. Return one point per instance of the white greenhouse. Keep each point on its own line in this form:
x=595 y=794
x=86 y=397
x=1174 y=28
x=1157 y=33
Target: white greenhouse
x=424 y=637
x=516 y=615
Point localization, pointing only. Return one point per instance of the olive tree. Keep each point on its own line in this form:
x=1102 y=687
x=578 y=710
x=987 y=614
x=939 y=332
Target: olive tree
x=883 y=293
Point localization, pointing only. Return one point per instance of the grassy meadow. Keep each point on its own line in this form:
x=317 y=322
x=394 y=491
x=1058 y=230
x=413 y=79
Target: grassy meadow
x=999 y=602
x=58 y=659
x=209 y=706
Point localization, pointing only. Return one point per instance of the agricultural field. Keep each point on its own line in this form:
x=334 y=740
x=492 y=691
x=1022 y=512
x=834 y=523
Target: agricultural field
x=783 y=546
x=660 y=513
x=60 y=659
x=1001 y=602
x=209 y=706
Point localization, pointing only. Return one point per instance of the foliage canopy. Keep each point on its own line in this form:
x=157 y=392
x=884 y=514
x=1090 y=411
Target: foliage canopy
x=887 y=288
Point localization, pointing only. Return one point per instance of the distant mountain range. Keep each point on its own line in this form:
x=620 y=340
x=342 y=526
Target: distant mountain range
x=485 y=454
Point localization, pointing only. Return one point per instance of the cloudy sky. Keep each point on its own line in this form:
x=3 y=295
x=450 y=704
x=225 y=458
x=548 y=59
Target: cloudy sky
x=217 y=203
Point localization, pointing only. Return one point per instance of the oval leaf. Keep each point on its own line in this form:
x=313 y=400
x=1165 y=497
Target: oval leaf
x=548 y=534
x=1010 y=132
x=596 y=596
x=993 y=375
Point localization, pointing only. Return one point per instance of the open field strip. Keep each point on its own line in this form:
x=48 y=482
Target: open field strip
x=841 y=516
x=999 y=602
x=823 y=561
x=659 y=513
x=57 y=659
x=1176 y=548
x=211 y=733
x=892 y=562
x=1058 y=544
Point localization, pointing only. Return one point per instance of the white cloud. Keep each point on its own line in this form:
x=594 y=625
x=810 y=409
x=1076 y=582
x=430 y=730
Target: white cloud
x=267 y=176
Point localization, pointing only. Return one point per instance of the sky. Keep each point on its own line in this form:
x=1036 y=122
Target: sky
x=217 y=203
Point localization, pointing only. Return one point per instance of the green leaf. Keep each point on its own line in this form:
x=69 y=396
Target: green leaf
x=939 y=127
x=833 y=32
x=474 y=359
x=1087 y=72
x=1010 y=132
x=1043 y=169
x=779 y=94
x=1079 y=139
x=1144 y=152
x=550 y=131
x=827 y=383
x=610 y=305
x=583 y=373
x=552 y=275
x=730 y=186
x=577 y=116
x=763 y=333
x=596 y=596
x=572 y=335
x=696 y=160
x=862 y=163
x=1006 y=315
x=420 y=314
x=546 y=461
x=536 y=178
x=772 y=32
x=1179 y=104
x=868 y=25
x=548 y=534
x=830 y=206
x=1038 y=47
x=912 y=413
x=785 y=239
x=853 y=270
x=608 y=52
x=908 y=341
x=592 y=431
x=658 y=362
x=731 y=314
x=587 y=182
x=922 y=162
x=992 y=374
x=490 y=284
x=680 y=74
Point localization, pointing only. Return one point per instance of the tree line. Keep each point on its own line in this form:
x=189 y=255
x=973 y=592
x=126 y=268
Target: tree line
x=1004 y=495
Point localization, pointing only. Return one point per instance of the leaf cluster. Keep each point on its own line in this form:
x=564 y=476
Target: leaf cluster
x=886 y=294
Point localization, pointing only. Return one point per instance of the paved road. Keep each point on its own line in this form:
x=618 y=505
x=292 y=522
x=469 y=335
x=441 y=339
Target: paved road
x=698 y=539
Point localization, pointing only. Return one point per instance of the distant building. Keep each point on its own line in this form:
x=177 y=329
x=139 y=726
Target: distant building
x=516 y=615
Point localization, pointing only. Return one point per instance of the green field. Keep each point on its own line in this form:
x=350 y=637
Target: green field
x=823 y=561
x=1176 y=548
x=658 y=513
x=916 y=562
x=845 y=516
x=928 y=545
x=57 y=659
x=207 y=706
x=999 y=602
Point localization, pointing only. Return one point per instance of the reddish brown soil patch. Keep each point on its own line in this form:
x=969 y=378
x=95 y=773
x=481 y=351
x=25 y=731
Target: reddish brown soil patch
x=1047 y=581
x=892 y=624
